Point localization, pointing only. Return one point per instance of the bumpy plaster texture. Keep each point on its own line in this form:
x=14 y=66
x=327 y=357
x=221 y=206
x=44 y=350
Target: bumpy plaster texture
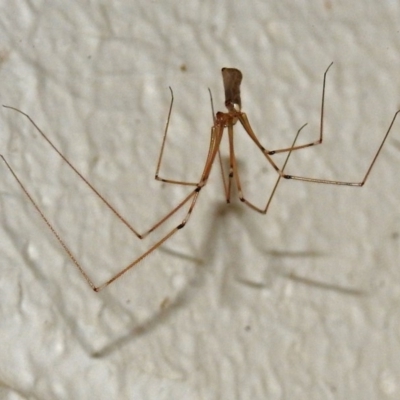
x=300 y=304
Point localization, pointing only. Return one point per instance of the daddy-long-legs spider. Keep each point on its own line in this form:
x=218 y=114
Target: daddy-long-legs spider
x=223 y=121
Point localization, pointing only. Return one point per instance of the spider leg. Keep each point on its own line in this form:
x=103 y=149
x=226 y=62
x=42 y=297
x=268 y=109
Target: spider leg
x=346 y=183
x=157 y=177
x=216 y=135
x=237 y=179
x=321 y=125
x=193 y=195
x=245 y=122
x=101 y=197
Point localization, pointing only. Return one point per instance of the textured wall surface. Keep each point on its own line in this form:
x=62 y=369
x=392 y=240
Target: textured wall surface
x=302 y=303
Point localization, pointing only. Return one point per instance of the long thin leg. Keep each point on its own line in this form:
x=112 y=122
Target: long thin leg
x=321 y=125
x=239 y=186
x=55 y=233
x=118 y=215
x=245 y=122
x=112 y=208
x=232 y=162
x=362 y=182
x=216 y=135
x=195 y=195
x=157 y=177
x=221 y=165
x=249 y=130
x=214 y=143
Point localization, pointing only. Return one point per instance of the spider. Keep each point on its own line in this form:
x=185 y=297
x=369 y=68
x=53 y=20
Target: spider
x=223 y=121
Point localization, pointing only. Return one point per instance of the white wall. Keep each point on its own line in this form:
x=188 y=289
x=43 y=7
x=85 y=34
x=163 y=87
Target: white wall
x=300 y=304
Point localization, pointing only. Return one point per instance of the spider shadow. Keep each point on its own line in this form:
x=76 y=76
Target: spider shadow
x=278 y=268
x=168 y=307
x=195 y=282
x=66 y=306
x=270 y=264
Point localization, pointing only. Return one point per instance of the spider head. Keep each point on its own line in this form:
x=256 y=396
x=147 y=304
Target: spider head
x=232 y=78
